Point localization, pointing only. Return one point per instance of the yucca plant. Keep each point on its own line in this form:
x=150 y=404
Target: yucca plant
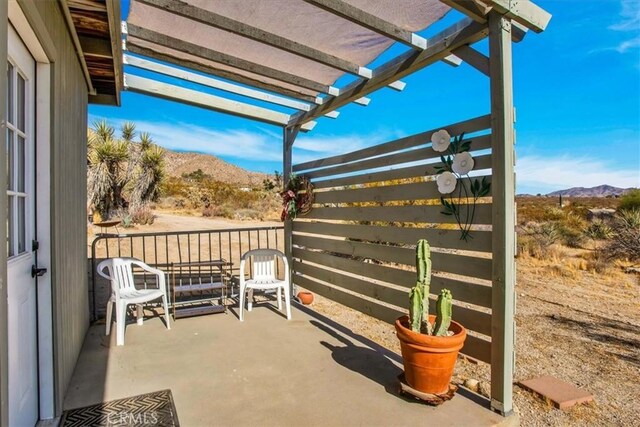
x=120 y=168
x=150 y=175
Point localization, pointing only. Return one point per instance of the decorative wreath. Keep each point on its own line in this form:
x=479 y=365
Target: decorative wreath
x=297 y=198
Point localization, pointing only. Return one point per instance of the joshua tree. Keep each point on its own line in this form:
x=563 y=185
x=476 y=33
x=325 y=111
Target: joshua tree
x=120 y=165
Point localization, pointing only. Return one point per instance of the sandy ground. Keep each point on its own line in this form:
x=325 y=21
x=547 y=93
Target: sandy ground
x=579 y=326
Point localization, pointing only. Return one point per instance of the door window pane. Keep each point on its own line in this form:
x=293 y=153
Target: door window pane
x=22 y=231
x=10 y=160
x=10 y=93
x=10 y=227
x=21 y=164
x=21 y=97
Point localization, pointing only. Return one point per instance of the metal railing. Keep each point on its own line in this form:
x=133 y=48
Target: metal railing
x=166 y=248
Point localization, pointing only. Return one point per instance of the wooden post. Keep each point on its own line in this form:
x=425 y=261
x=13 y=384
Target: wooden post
x=4 y=341
x=503 y=191
x=289 y=136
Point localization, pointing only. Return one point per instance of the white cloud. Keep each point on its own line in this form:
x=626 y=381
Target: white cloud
x=628 y=44
x=630 y=15
x=548 y=174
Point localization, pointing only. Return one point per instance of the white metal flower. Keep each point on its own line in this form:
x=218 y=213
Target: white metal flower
x=462 y=163
x=440 y=140
x=446 y=182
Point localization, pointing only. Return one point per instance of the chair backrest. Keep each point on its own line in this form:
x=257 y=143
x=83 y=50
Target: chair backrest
x=120 y=273
x=263 y=262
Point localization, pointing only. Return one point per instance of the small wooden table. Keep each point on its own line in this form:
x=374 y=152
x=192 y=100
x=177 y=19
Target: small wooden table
x=203 y=282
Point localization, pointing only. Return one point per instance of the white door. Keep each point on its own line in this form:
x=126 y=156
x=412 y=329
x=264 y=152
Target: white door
x=21 y=288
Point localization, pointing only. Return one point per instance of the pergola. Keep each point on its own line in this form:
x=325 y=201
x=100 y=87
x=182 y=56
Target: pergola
x=290 y=53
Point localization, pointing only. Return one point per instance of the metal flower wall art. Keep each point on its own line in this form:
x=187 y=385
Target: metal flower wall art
x=460 y=192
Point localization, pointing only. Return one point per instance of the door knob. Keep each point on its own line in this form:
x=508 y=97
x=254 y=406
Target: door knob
x=37 y=272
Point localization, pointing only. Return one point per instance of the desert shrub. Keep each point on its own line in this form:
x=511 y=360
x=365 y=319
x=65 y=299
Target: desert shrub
x=599 y=230
x=625 y=243
x=224 y=211
x=630 y=200
x=535 y=239
x=143 y=216
x=247 y=214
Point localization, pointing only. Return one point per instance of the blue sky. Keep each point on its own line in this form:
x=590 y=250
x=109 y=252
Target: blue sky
x=577 y=94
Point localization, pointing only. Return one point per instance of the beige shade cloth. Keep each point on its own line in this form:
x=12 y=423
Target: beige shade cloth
x=295 y=20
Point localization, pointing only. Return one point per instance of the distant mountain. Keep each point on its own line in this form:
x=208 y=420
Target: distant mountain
x=178 y=163
x=599 y=191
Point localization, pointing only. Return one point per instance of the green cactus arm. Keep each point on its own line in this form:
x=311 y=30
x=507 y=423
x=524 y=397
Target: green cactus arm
x=443 y=313
x=423 y=266
x=415 y=307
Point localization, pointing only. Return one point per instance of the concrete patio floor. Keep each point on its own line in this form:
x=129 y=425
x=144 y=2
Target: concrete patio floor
x=265 y=371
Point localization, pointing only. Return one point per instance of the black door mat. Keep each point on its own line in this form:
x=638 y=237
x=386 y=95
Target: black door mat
x=151 y=409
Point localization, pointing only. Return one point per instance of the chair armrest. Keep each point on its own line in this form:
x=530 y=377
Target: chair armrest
x=160 y=275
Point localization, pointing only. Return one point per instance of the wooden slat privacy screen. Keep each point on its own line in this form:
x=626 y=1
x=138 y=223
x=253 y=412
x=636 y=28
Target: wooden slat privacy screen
x=357 y=245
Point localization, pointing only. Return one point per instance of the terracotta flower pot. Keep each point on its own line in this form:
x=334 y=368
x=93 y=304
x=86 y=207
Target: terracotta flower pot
x=429 y=360
x=305 y=297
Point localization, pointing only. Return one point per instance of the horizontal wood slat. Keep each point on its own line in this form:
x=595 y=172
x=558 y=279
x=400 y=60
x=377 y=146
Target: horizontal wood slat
x=420 y=170
x=437 y=238
x=379 y=311
x=388 y=193
x=479 y=143
x=468 y=126
x=462 y=291
x=364 y=287
x=474 y=347
x=446 y=262
x=477 y=348
x=472 y=319
x=418 y=214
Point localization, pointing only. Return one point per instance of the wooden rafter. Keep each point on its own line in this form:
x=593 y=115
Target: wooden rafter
x=171 y=59
x=205 y=100
x=167 y=70
x=462 y=33
x=372 y=22
x=232 y=61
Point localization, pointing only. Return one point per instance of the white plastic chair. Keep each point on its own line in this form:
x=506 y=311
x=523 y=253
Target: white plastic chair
x=124 y=292
x=264 y=277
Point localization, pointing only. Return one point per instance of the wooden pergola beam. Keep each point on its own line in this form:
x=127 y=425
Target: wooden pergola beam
x=175 y=60
x=188 y=76
x=222 y=58
x=476 y=10
x=204 y=100
x=440 y=46
x=207 y=17
x=524 y=12
x=474 y=58
x=372 y=22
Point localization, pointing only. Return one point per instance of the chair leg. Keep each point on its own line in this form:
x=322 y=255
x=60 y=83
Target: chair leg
x=109 y=315
x=166 y=311
x=287 y=302
x=250 y=300
x=121 y=320
x=241 y=304
x=139 y=314
x=279 y=296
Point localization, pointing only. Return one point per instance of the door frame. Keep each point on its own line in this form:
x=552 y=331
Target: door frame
x=42 y=145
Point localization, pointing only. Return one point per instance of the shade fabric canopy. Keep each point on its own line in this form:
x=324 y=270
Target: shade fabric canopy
x=295 y=20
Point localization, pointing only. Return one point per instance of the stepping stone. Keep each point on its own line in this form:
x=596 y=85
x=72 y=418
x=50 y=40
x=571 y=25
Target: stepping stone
x=562 y=394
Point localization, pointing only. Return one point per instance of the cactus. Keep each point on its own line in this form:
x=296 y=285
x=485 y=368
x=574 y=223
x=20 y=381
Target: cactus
x=419 y=297
x=443 y=313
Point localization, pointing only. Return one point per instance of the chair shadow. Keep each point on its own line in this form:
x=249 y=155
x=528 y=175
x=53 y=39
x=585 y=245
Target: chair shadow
x=268 y=302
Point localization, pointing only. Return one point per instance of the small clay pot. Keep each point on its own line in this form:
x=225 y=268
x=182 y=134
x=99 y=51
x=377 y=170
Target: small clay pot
x=305 y=297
